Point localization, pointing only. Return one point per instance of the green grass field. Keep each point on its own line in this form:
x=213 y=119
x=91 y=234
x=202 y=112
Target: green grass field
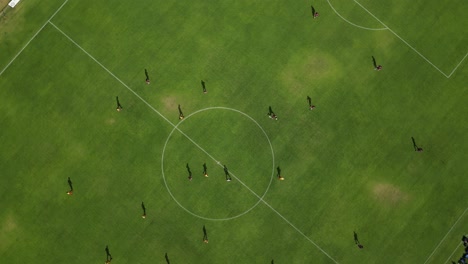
x=349 y=165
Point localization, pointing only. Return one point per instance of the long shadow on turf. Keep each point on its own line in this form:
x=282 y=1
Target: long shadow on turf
x=226 y=173
x=108 y=255
x=71 y=186
x=189 y=172
x=181 y=114
x=415 y=146
x=356 y=239
x=205 y=235
x=144 y=209
x=167 y=259
x=203 y=86
x=147 y=77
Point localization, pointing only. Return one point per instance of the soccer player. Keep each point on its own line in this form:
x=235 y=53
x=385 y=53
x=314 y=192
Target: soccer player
x=310 y=103
x=147 y=77
x=70 y=192
x=205 y=170
x=272 y=114
x=119 y=107
x=205 y=235
x=279 y=174
x=181 y=115
x=189 y=172
x=203 y=86
x=356 y=240
x=314 y=13
x=144 y=210
x=109 y=256
x=226 y=172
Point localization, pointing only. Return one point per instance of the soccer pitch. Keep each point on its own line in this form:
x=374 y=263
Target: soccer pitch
x=349 y=164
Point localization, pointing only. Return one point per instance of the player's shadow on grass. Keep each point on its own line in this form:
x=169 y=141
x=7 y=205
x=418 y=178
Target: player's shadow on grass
x=415 y=146
x=181 y=114
x=205 y=235
x=167 y=259
x=203 y=86
x=144 y=209
x=147 y=77
x=205 y=170
x=119 y=106
x=226 y=173
x=108 y=255
x=356 y=240
x=270 y=111
x=70 y=183
x=189 y=172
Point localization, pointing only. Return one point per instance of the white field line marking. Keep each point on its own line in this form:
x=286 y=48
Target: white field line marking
x=453 y=252
x=393 y=32
x=156 y=111
x=456 y=222
x=284 y=218
x=219 y=163
x=33 y=37
x=458 y=65
x=115 y=77
x=366 y=28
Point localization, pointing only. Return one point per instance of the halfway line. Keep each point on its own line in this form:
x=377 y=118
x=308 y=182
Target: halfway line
x=132 y=91
x=156 y=111
x=33 y=37
x=284 y=218
x=113 y=75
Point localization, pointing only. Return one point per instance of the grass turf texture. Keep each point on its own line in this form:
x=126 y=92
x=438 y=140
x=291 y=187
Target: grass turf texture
x=348 y=164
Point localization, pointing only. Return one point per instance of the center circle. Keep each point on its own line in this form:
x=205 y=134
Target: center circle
x=197 y=149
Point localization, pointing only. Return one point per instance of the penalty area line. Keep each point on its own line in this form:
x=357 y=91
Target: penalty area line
x=453 y=252
x=450 y=230
x=404 y=41
x=456 y=67
x=351 y=23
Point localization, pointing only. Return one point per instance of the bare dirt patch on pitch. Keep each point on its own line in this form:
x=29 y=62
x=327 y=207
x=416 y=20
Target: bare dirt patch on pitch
x=307 y=67
x=6 y=228
x=389 y=194
x=169 y=102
